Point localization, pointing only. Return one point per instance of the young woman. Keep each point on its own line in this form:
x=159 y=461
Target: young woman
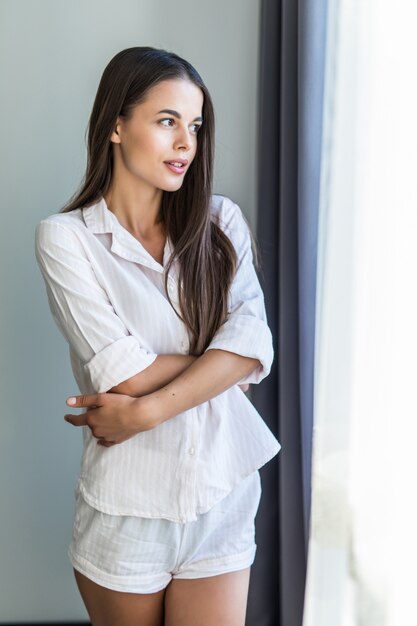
x=150 y=278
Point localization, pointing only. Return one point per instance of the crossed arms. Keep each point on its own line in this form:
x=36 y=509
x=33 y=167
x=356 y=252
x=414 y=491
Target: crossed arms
x=240 y=352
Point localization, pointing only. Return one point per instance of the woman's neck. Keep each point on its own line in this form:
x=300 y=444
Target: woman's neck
x=138 y=213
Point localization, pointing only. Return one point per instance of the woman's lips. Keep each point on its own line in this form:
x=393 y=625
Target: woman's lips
x=173 y=168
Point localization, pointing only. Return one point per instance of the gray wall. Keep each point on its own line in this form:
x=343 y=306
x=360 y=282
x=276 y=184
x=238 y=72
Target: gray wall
x=52 y=54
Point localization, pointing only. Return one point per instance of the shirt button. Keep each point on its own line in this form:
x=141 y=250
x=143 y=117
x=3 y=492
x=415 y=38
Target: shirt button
x=191 y=450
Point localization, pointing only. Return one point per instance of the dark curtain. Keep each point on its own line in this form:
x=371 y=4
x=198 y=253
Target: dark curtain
x=291 y=72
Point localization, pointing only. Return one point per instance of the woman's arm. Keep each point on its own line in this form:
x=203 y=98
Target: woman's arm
x=114 y=419
x=162 y=371
x=208 y=376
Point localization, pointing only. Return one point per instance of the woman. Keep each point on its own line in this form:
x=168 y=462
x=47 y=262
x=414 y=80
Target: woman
x=150 y=278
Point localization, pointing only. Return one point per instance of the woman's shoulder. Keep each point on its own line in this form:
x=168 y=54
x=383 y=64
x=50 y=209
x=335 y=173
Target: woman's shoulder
x=228 y=214
x=71 y=219
x=57 y=228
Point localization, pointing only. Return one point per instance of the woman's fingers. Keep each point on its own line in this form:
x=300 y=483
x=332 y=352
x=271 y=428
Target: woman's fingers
x=82 y=420
x=77 y=420
x=92 y=400
x=111 y=417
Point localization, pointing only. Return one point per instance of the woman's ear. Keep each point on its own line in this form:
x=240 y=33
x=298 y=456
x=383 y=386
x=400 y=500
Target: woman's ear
x=115 y=136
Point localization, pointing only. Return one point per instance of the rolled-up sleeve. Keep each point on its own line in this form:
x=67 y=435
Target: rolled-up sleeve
x=83 y=311
x=246 y=331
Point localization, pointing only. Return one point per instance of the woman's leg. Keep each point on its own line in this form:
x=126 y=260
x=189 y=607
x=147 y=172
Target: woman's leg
x=106 y=607
x=213 y=601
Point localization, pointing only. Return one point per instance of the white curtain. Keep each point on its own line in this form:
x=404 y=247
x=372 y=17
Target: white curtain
x=363 y=533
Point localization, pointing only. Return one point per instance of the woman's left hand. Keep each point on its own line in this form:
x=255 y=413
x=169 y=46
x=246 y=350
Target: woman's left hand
x=112 y=417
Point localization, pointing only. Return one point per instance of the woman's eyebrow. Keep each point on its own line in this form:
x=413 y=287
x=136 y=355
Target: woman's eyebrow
x=172 y=112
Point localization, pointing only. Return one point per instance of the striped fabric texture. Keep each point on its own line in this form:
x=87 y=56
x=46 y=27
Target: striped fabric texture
x=106 y=295
x=140 y=555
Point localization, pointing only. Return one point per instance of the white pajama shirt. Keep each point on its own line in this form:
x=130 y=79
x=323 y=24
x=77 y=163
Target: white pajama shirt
x=106 y=295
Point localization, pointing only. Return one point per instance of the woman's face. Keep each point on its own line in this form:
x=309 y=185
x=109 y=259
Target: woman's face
x=152 y=136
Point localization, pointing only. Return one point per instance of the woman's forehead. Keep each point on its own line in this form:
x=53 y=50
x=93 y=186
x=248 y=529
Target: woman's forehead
x=180 y=95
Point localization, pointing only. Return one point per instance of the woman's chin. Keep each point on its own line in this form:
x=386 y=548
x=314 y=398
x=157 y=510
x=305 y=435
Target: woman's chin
x=171 y=186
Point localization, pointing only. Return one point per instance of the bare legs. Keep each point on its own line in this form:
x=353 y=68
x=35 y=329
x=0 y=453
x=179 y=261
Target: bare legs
x=106 y=607
x=212 y=601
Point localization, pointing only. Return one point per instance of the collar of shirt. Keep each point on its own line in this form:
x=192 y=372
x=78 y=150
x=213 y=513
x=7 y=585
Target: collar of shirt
x=99 y=219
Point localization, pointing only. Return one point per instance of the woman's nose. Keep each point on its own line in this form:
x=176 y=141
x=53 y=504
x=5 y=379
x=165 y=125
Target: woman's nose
x=183 y=139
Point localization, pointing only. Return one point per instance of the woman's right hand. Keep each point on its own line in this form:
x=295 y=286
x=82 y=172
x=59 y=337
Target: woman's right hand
x=112 y=417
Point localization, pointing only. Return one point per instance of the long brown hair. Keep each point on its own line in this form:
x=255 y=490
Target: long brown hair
x=207 y=258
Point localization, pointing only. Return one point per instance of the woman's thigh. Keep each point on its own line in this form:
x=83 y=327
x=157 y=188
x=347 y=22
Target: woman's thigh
x=106 y=607
x=212 y=601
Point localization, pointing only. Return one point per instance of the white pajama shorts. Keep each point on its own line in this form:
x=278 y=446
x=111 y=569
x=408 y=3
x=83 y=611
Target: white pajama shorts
x=142 y=555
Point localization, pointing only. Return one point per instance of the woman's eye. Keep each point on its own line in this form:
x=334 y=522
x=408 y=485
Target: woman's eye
x=170 y=119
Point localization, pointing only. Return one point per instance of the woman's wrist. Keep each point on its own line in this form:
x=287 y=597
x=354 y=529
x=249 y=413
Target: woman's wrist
x=148 y=411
